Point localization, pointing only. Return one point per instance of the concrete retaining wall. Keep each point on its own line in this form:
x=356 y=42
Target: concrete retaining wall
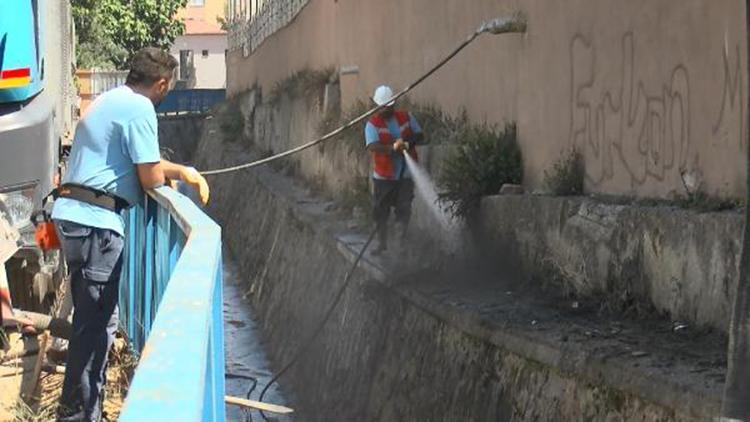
x=180 y=135
x=678 y=262
x=650 y=92
x=388 y=353
x=647 y=90
x=338 y=167
x=683 y=263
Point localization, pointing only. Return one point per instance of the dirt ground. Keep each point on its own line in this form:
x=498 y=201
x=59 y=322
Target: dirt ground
x=16 y=378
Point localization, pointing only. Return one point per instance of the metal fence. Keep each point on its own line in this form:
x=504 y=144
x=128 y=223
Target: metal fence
x=248 y=30
x=95 y=82
x=104 y=80
x=191 y=100
x=171 y=307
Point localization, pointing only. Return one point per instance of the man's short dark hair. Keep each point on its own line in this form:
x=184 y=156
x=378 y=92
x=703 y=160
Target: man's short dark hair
x=150 y=64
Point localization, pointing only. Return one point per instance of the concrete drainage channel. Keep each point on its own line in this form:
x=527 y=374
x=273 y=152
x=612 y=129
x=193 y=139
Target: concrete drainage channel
x=428 y=347
x=247 y=369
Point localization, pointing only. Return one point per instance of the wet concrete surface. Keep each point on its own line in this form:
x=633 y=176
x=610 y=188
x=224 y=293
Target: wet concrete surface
x=247 y=367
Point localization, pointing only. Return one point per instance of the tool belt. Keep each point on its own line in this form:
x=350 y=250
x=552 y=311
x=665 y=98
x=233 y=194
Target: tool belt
x=91 y=196
x=45 y=233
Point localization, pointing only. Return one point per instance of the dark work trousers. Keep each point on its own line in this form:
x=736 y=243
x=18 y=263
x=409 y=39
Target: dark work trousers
x=395 y=194
x=94 y=258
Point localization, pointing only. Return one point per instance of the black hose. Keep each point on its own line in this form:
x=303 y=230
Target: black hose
x=248 y=415
x=341 y=129
x=328 y=136
x=336 y=300
x=326 y=317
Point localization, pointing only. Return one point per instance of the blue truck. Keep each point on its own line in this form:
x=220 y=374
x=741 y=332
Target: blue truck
x=37 y=103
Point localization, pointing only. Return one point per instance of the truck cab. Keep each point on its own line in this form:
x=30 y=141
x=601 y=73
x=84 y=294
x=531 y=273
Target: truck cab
x=32 y=83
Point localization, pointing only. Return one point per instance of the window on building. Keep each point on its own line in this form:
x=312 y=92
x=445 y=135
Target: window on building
x=186 y=64
x=196 y=2
x=204 y=53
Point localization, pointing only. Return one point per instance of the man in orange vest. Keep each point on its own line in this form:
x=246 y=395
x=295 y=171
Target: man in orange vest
x=388 y=135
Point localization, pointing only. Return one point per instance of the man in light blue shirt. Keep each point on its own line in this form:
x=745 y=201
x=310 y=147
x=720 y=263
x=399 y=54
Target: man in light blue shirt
x=118 y=131
x=115 y=156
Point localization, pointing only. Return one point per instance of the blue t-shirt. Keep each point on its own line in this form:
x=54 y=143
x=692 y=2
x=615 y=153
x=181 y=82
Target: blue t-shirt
x=118 y=131
x=371 y=137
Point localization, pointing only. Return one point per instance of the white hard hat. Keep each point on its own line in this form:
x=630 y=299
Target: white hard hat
x=383 y=96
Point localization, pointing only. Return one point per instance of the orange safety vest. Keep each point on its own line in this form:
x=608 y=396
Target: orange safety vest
x=383 y=162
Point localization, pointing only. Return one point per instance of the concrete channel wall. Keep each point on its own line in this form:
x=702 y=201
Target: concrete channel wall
x=338 y=167
x=647 y=90
x=678 y=262
x=179 y=136
x=681 y=263
x=389 y=352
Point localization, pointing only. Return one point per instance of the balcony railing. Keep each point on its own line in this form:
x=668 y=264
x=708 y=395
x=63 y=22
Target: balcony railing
x=171 y=307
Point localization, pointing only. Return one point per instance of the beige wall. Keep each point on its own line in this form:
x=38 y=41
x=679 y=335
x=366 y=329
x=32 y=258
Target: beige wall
x=644 y=88
x=210 y=72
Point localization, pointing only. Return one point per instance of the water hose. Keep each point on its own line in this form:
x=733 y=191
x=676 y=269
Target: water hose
x=326 y=317
x=513 y=24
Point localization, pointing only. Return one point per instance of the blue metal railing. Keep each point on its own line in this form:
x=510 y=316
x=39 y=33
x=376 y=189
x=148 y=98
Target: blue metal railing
x=191 y=100
x=171 y=307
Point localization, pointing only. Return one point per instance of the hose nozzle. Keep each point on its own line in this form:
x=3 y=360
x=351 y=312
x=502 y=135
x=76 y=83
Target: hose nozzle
x=512 y=24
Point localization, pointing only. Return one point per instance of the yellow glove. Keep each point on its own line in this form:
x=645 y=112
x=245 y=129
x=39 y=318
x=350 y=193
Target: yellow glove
x=191 y=176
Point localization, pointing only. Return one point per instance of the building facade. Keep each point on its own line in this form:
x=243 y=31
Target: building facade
x=201 y=49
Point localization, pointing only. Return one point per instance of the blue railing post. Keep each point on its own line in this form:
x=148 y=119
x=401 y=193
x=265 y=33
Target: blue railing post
x=171 y=304
x=150 y=258
x=133 y=270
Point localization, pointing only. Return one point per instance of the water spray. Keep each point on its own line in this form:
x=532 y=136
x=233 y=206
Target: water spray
x=516 y=23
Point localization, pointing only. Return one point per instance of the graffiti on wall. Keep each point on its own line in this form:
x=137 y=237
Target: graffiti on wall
x=644 y=130
x=731 y=116
x=621 y=123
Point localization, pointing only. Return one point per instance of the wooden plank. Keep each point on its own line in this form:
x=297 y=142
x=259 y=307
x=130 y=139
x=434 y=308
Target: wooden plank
x=258 y=405
x=32 y=386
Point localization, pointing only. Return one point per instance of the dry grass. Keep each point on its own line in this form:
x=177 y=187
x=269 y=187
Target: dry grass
x=566 y=175
x=304 y=83
x=122 y=363
x=22 y=412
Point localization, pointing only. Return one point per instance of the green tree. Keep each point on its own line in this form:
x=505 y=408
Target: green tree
x=110 y=31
